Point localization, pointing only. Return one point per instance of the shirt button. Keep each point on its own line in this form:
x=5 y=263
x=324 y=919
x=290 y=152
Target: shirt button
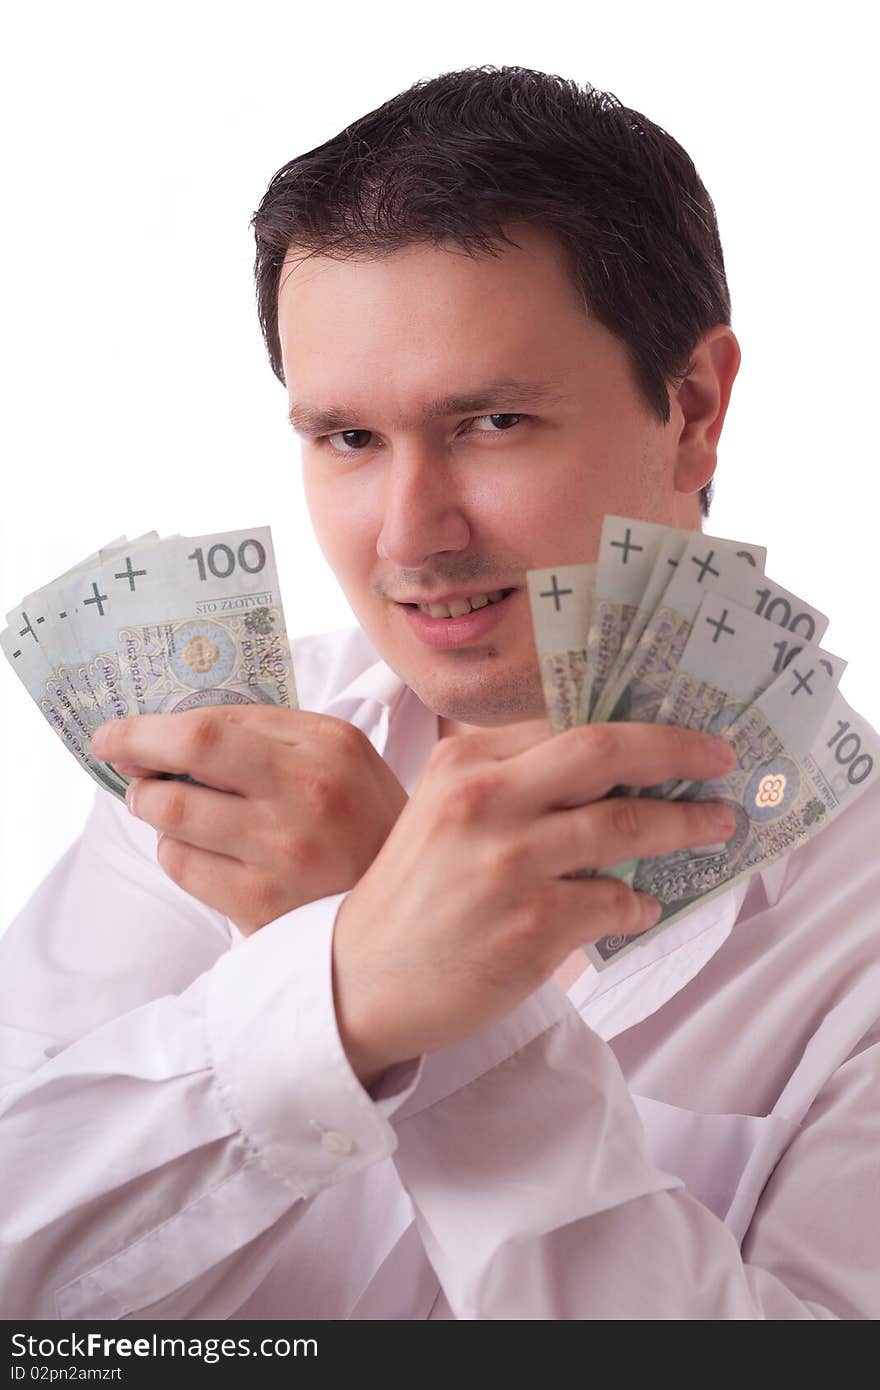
x=336 y=1143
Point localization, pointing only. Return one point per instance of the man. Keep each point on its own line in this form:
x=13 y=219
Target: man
x=330 y=1048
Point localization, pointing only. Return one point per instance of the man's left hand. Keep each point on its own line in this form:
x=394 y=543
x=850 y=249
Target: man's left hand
x=294 y=805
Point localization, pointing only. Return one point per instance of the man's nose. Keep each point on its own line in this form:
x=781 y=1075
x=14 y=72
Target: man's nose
x=423 y=508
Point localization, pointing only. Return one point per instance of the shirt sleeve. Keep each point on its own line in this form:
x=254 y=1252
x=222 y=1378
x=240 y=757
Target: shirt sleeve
x=536 y=1197
x=172 y=1103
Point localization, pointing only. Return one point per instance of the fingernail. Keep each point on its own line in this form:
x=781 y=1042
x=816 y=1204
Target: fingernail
x=129 y=796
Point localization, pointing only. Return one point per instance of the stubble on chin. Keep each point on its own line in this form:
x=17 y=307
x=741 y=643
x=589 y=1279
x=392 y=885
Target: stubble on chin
x=483 y=699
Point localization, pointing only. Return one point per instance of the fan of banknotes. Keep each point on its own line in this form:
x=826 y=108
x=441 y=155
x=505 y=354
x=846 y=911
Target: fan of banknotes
x=666 y=626
x=153 y=625
x=677 y=627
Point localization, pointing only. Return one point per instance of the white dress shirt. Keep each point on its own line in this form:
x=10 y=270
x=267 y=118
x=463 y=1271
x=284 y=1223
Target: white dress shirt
x=693 y=1133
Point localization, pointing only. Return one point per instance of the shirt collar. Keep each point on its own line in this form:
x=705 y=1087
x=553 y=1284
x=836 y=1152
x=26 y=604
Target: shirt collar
x=377 y=683
x=369 y=702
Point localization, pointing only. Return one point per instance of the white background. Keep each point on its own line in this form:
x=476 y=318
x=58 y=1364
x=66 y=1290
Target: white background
x=136 y=394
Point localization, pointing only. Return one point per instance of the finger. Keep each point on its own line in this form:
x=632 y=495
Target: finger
x=293 y=726
x=616 y=829
x=131 y=770
x=219 y=881
x=222 y=822
x=204 y=743
x=584 y=764
x=596 y=907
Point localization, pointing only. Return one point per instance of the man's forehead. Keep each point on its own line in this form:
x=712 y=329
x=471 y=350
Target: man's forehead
x=522 y=361
x=302 y=266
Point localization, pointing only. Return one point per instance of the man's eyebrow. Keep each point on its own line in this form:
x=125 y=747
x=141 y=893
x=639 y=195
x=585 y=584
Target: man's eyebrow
x=312 y=420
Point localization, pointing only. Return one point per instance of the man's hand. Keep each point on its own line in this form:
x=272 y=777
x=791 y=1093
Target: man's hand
x=295 y=805
x=467 y=907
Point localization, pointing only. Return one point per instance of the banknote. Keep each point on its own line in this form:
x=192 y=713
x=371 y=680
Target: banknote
x=197 y=621
x=649 y=673
x=780 y=800
x=153 y=625
x=730 y=657
x=561 y=600
x=675 y=546
x=33 y=645
x=33 y=669
x=89 y=670
x=628 y=552
x=689 y=629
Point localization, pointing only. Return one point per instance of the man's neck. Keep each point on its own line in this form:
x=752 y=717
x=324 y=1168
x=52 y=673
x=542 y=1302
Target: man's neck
x=447 y=727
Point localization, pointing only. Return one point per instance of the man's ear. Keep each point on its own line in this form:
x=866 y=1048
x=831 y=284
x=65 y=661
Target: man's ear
x=701 y=403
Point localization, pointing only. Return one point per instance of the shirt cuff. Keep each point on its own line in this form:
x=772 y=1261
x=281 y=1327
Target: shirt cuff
x=444 y=1072
x=396 y=1085
x=279 y=1060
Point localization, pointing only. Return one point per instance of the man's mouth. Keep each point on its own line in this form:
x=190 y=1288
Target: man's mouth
x=458 y=620
x=459 y=607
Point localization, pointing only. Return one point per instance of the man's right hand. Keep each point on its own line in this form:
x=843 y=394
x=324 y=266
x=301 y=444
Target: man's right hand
x=466 y=909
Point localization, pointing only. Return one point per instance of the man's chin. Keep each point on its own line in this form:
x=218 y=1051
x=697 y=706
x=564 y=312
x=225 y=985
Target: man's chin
x=487 y=706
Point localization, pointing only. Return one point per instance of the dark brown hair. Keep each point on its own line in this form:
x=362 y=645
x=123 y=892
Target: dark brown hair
x=455 y=158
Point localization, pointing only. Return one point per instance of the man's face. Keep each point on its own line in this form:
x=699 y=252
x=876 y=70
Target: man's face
x=410 y=507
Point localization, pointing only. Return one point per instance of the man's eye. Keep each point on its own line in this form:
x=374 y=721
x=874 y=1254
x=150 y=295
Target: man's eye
x=501 y=415
x=343 y=434
x=350 y=437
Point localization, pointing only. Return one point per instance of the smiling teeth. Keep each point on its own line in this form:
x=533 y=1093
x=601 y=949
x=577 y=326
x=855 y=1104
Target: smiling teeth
x=460 y=606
